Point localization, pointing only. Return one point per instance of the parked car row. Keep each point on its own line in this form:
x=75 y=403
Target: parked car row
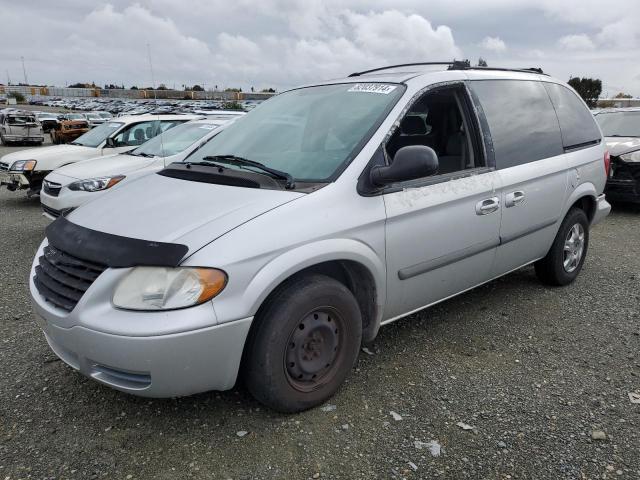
x=277 y=244
x=118 y=106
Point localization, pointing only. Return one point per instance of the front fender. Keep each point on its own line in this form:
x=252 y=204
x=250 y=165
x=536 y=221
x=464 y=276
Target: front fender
x=246 y=299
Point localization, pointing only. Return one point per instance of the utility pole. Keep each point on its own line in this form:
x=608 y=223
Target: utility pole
x=8 y=78
x=24 y=71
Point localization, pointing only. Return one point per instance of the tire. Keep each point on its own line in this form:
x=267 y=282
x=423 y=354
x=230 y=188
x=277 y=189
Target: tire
x=304 y=344
x=565 y=258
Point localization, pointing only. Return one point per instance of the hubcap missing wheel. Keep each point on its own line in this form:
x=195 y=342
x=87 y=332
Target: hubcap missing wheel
x=312 y=348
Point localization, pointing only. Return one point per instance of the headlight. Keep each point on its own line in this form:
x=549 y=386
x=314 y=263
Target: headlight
x=161 y=288
x=631 y=156
x=95 y=184
x=23 y=165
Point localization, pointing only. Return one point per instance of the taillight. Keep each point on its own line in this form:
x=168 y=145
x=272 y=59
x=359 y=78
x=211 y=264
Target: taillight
x=607 y=163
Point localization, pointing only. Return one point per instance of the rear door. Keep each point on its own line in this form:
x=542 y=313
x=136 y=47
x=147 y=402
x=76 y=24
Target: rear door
x=531 y=164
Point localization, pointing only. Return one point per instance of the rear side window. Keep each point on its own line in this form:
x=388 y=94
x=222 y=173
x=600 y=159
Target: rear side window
x=577 y=124
x=522 y=122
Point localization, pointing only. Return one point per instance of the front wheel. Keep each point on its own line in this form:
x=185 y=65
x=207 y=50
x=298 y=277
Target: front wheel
x=304 y=344
x=564 y=261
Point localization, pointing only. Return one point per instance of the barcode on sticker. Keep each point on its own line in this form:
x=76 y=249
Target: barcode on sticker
x=373 y=88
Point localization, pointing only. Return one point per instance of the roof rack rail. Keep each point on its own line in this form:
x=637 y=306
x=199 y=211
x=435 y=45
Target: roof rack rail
x=464 y=66
x=454 y=65
x=357 y=74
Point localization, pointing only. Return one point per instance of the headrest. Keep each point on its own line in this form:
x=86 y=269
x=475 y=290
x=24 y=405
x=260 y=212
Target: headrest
x=139 y=134
x=413 y=125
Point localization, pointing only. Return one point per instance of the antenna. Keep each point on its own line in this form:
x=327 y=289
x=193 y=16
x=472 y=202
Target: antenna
x=155 y=98
x=24 y=71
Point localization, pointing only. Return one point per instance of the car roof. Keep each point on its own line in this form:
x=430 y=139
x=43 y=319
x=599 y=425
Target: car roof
x=431 y=73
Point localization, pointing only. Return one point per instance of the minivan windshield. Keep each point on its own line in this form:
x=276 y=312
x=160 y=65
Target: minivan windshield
x=96 y=136
x=619 y=124
x=174 y=140
x=308 y=133
x=20 y=119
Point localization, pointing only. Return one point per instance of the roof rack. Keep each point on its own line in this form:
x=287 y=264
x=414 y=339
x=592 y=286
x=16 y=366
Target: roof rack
x=454 y=65
x=357 y=74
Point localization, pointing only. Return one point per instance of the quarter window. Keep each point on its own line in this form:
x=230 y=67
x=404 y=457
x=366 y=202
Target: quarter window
x=522 y=122
x=576 y=122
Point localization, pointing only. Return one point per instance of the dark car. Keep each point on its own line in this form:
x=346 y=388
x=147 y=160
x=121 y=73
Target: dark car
x=621 y=128
x=49 y=121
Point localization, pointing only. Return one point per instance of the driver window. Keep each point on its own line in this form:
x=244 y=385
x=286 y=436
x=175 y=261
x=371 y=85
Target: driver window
x=136 y=134
x=437 y=120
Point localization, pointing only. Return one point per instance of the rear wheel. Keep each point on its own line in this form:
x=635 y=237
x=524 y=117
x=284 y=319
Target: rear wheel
x=304 y=344
x=564 y=261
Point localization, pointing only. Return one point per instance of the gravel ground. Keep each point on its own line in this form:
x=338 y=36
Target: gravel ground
x=534 y=371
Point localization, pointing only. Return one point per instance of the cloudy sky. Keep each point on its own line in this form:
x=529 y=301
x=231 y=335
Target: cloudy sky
x=282 y=43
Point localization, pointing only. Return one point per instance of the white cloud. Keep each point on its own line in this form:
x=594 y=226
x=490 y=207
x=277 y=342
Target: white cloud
x=494 y=44
x=576 y=42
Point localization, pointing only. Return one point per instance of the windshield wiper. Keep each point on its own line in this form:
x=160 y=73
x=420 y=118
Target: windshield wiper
x=622 y=136
x=244 y=162
x=76 y=143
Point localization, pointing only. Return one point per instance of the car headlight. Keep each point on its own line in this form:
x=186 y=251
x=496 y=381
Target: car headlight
x=95 y=184
x=631 y=156
x=162 y=288
x=23 y=165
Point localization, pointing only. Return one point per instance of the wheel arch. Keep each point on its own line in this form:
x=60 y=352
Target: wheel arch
x=583 y=197
x=350 y=262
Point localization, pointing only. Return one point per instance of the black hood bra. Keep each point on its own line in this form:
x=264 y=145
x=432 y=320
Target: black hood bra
x=112 y=250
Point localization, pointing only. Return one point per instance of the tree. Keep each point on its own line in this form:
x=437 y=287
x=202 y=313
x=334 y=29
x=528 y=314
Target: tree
x=268 y=90
x=623 y=95
x=588 y=88
x=133 y=87
x=162 y=86
x=18 y=96
x=482 y=62
x=197 y=88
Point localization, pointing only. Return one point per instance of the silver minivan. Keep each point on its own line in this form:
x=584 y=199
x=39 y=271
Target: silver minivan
x=282 y=245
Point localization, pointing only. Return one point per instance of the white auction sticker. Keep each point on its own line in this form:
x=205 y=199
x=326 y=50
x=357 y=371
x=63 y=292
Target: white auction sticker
x=373 y=88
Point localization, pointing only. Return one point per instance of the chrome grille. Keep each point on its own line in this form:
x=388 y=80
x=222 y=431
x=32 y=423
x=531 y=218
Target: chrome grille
x=62 y=279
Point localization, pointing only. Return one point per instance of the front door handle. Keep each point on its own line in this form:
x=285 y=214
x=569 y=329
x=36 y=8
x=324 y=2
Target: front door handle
x=487 y=206
x=514 y=198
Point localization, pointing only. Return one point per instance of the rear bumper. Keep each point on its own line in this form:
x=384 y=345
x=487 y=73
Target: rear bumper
x=23 y=138
x=603 y=208
x=162 y=366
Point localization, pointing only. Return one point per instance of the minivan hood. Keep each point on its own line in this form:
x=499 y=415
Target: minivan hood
x=620 y=145
x=53 y=155
x=108 y=165
x=164 y=209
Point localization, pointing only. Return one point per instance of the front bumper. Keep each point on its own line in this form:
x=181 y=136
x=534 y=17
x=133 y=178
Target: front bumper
x=162 y=366
x=65 y=202
x=14 y=180
x=603 y=208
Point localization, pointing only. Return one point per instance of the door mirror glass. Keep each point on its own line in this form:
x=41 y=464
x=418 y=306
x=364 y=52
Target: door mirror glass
x=110 y=142
x=409 y=163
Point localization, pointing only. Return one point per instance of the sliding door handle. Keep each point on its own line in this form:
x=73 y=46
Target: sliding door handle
x=514 y=198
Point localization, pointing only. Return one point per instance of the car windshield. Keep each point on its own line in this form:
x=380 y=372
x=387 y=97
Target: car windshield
x=75 y=116
x=94 y=116
x=96 y=136
x=174 y=140
x=308 y=133
x=619 y=124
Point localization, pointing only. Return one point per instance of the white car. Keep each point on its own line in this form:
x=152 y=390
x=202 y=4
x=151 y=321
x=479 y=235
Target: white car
x=68 y=187
x=26 y=169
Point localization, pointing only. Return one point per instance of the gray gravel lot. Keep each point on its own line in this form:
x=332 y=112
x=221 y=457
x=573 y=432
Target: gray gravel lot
x=534 y=370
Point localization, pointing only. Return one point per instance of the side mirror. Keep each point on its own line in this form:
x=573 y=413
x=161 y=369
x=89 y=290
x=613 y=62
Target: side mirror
x=409 y=163
x=110 y=142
